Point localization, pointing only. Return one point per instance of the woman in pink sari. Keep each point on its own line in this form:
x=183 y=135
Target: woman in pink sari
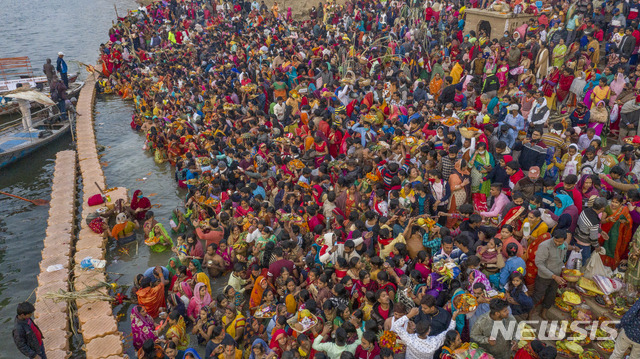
x=201 y=298
x=141 y=326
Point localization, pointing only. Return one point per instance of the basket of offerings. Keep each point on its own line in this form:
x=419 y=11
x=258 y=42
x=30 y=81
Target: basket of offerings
x=618 y=311
x=465 y=303
x=606 y=345
x=562 y=305
x=249 y=88
x=582 y=314
x=447 y=270
x=590 y=354
x=571 y=297
x=229 y=106
x=469 y=132
x=569 y=348
x=302 y=321
x=265 y=311
x=571 y=275
x=390 y=340
x=581 y=338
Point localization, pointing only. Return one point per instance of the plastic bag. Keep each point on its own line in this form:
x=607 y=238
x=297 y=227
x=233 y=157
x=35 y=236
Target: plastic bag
x=573 y=257
x=546 y=218
x=608 y=285
x=595 y=267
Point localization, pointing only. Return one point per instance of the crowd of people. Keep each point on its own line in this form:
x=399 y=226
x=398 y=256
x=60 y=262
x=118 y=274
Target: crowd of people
x=363 y=172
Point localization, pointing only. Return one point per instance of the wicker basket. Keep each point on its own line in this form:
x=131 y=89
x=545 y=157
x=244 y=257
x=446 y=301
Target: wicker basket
x=469 y=132
x=294 y=320
x=570 y=276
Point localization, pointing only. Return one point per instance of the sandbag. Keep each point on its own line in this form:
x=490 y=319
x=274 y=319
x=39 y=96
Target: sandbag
x=95 y=200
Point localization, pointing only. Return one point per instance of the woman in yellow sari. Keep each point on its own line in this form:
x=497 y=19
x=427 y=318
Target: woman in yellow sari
x=177 y=331
x=233 y=322
x=537 y=227
x=456 y=73
x=435 y=85
x=602 y=92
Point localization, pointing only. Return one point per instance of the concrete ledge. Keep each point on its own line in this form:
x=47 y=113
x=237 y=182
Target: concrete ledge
x=97 y=323
x=104 y=347
x=52 y=316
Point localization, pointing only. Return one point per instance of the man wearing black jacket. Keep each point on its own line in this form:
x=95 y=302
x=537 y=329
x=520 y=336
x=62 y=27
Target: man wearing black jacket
x=627 y=44
x=26 y=334
x=449 y=91
x=534 y=151
x=491 y=86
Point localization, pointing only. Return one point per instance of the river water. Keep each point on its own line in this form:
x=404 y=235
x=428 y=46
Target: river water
x=39 y=29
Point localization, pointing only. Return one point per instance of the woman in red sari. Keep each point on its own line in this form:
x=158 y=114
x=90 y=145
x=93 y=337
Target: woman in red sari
x=617 y=225
x=243 y=209
x=564 y=85
x=530 y=254
x=548 y=87
x=140 y=205
x=321 y=150
x=530 y=351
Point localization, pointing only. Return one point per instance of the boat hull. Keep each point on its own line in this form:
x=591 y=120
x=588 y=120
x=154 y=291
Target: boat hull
x=9 y=157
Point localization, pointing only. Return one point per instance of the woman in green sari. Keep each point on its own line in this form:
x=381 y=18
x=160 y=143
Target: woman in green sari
x=559 y=53
x=159 y=240
x=481 y=164
x=179 y=221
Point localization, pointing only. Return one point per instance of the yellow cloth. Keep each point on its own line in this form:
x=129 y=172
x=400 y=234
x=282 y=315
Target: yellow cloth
x=202 y=278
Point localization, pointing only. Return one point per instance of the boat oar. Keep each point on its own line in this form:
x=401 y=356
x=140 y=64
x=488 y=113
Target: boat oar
x=37 y=202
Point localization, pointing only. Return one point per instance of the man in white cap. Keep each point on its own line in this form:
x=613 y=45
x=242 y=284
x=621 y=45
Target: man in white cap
x=61 y=67
x=514 y=119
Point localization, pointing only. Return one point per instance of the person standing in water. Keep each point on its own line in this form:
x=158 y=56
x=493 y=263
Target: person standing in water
x=26 y=334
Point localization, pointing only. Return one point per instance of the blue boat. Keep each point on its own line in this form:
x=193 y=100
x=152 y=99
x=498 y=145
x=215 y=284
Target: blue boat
x=17 y=143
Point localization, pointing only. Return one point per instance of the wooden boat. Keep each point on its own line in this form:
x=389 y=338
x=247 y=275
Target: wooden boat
x=17 y=143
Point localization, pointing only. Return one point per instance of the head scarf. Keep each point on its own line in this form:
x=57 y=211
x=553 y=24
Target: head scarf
x=566 y=202
x=274 y=344
x=459 y=169
x=172 y=272
x=591 y=191
x=263 y=344
x=201 y=301
x=193 y=352
x=202 y=278
x=197 y=264
x=186 y=288
x=139 y=202
x=256 y=293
